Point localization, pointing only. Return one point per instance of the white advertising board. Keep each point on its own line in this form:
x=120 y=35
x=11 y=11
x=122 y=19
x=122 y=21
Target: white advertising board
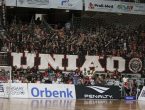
x=51 y=91
x=13 y=90
x=115 y=6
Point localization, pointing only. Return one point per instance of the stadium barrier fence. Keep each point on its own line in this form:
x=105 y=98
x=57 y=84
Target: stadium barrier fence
x=60 y=91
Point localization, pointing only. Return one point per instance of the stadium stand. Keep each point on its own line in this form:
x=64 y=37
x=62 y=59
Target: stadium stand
x=101 y=34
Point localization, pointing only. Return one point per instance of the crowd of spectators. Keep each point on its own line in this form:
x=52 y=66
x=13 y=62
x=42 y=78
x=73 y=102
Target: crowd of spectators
x=77 y=77
x=40 y=37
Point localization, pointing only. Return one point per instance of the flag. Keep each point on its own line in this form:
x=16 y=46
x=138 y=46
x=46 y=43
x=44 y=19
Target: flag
x=31 y=26
x=46 y=26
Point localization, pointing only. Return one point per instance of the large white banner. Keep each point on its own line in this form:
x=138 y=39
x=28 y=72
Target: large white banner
x=114 y=6
x=51 y=91
x=142 y=94
x=67 y=4
x=112 y=63
x=47 y=59
x=13 y=90
x=34 y=3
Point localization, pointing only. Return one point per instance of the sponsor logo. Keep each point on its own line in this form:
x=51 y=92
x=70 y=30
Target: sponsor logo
x=36 y=92
x=38 y=2
x=1 y=88
x=125 y=7
x=135 y=65
x=143 y=93
x=99 y=89
x=129 y=97
x=139 y=7
x=93 y=6
x=90 y=96
x=66 y=3
x=15 y=90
